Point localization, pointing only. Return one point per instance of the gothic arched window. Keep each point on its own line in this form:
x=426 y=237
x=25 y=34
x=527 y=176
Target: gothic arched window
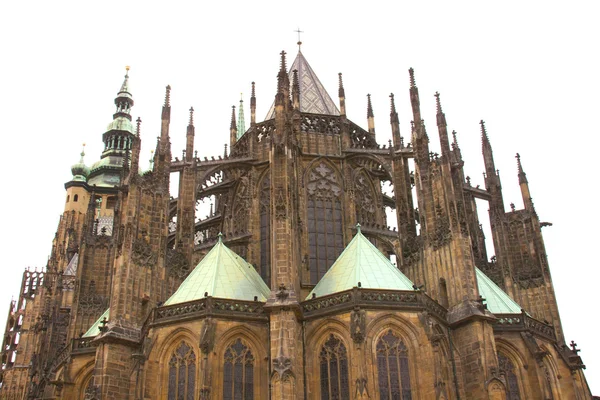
x=238 y=372
x=366 y=205
x=392 y=368
x=324 y=215
x=182 y=373
x=265 y=230
x=333 y=361
x=508 y=368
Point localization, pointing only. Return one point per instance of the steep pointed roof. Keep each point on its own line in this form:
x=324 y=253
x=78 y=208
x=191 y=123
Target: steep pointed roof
x=95 y=328
x=223 y=274
x=72 y=266
x=497 y=300
x=313 y=96
x=361 y=262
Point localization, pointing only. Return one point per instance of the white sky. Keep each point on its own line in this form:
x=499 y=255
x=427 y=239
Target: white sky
x=529 y=69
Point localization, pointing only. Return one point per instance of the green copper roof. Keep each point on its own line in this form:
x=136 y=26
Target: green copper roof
x=361 y=262
x=497 y=300
x=95 y=328
x=241 y=125
x=223 y=274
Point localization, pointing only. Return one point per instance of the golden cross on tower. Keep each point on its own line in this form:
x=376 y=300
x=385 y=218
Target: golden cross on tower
x=298 y=31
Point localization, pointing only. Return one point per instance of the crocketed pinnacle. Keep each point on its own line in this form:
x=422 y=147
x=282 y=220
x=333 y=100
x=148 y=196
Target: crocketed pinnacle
x=411 y=73
x=369 y=107
x=437 y=102
x=138 y=123
x=191 y=122
x=168 y=96
x=241 y=123
x=484 y=137
x=522 y=175
x=341 y=91
x=233 y=124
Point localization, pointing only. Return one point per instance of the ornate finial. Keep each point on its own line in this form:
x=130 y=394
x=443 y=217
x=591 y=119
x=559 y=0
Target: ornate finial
x=127 y=70
x=518 y=157
x=82 y=151
x=392 y=104
x=138 y=123
x=369 y=106
x=357 y=228
x=298 y=31
x=437 y=102
x=253 y=92
x=191 y=123
x=220 y=237
x=454 y=141
x=283 y=65
x=411 y=72
x=341 y=91
x=483 y=132
x=168 y=96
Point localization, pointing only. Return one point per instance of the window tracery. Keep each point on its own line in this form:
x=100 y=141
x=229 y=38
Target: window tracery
x=265 y=230
x=238 y=372
x=392 y=367
x=365 y=200
x=324 y=216
x=507 y=367
x=333 y=361
x=182 y=373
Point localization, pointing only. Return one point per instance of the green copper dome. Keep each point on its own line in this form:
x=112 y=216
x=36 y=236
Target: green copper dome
x=223 y=274
x=361 y=262
x=80 y=171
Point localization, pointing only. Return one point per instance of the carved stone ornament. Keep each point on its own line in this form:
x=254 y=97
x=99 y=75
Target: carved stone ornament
x=358 y=326
x=283 y=366
x=142 y=254
x=177 y=264
x=282 y=293
x=280 y=206
x=92 y=392
x=207 y=338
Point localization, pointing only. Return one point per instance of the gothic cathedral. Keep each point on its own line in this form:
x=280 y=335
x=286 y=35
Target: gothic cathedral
x=292 y=285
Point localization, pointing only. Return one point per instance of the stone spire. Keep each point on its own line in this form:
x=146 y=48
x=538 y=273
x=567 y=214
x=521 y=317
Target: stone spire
x=241 y=123
x=370 y=116
x=253 y=106
x=233 y=131
x=342 y=95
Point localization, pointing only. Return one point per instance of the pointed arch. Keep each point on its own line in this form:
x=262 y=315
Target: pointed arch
x=393 y=372
x=334 y=368
x=512 y=365
x=179 y=365
x=365 y=198
x=324 y=216
x=238 y=371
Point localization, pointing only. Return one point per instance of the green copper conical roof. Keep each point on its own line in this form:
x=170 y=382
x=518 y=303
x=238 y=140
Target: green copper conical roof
x=223 y=274
x=497 y=300
x=95 y=328
x=361 y=262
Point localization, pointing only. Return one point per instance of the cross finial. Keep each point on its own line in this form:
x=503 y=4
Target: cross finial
x=298 y=31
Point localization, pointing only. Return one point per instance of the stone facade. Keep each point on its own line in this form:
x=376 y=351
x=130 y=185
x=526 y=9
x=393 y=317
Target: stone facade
x=288 y=198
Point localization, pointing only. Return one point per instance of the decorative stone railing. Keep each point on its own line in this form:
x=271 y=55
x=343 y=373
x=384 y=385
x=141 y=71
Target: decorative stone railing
x=523 y=322
x=371 y=298
x=210 y=306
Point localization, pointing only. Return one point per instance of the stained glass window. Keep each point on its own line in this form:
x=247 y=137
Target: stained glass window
x=508 y=368
x=324 y=217
x=265 y=230
x=238 y=372
x=392 y=368
x=333 y=360
x=182 y=373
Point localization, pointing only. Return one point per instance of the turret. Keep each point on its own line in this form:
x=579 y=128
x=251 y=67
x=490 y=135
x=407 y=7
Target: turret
x=295 y=91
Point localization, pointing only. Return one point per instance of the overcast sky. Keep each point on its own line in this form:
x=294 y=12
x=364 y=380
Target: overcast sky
x=529 y=69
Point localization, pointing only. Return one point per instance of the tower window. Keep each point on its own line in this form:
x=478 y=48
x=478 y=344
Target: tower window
x=324 y=217
x=75 y=198
x=392 y=368
x=507 y=366
x=68 y=198
x=333 y=361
